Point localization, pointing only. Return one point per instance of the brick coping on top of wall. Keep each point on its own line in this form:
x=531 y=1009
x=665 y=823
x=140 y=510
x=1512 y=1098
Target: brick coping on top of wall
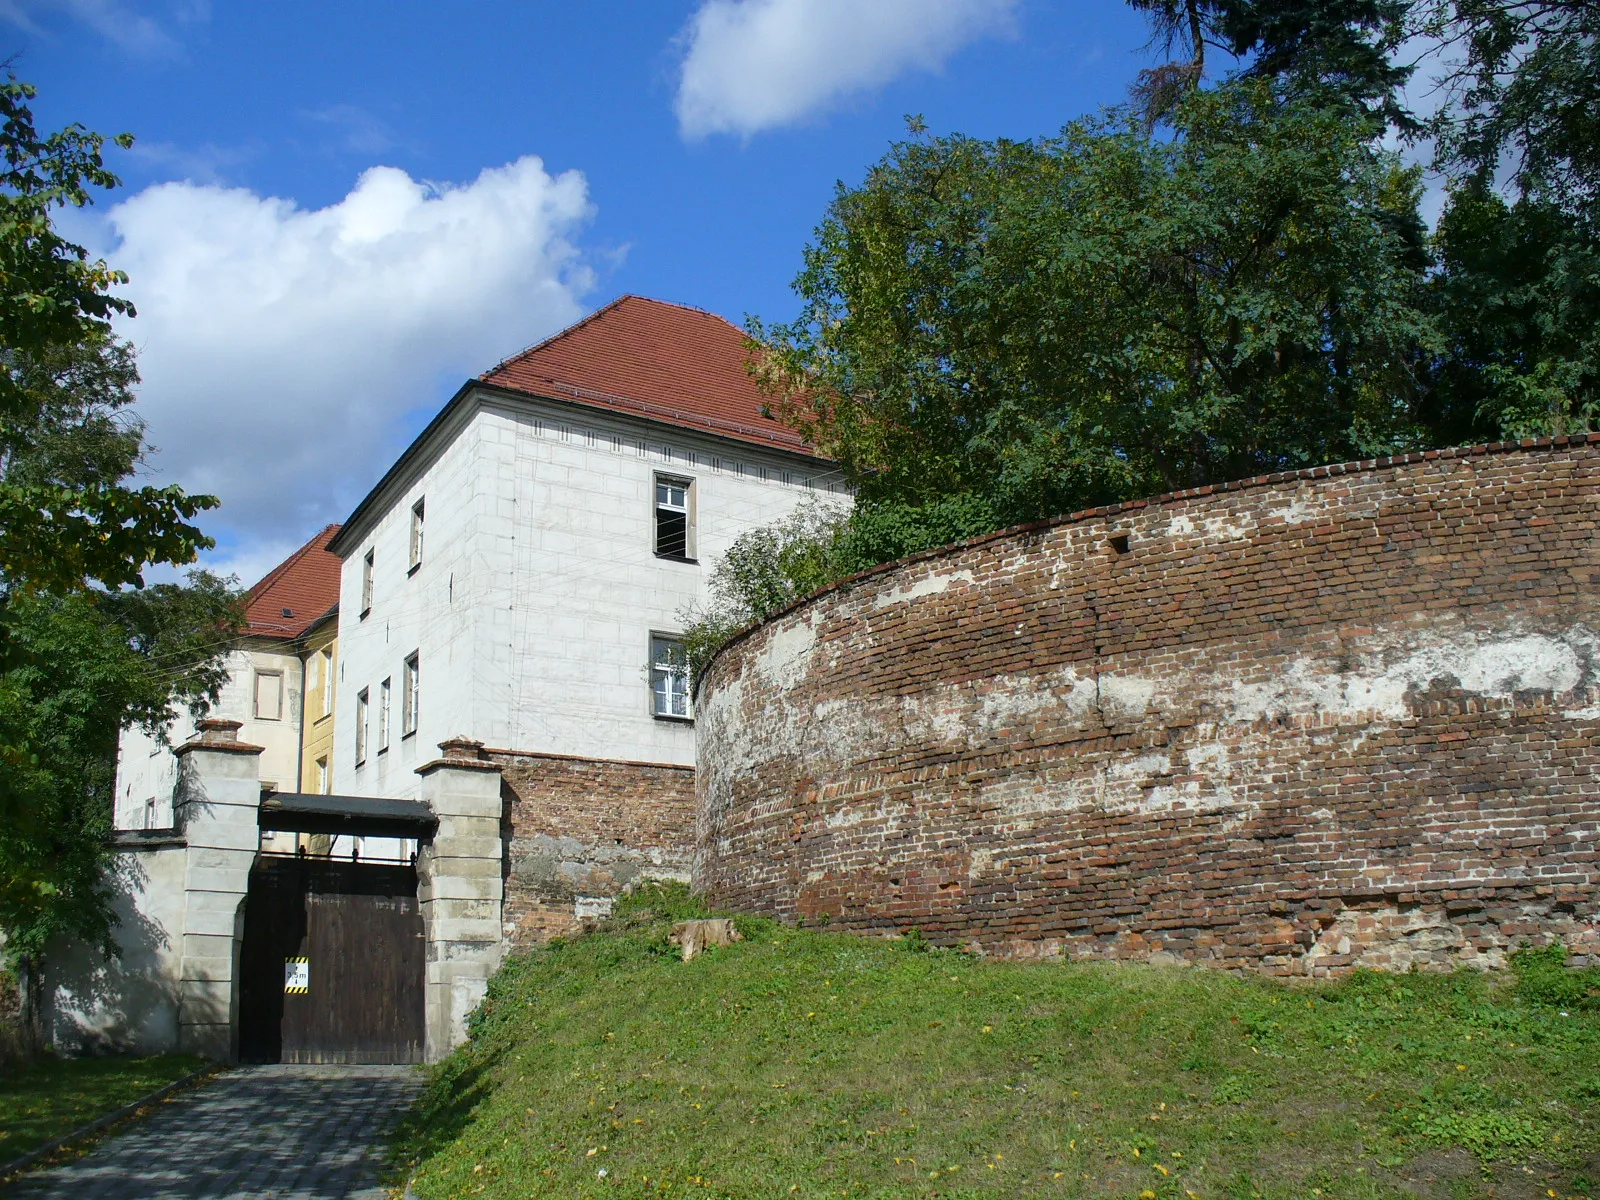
x=490 y=752
x=1355 y=467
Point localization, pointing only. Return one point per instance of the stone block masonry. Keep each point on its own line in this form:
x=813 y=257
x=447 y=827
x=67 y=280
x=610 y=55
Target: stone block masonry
x=580 y=831
x=1334 y=718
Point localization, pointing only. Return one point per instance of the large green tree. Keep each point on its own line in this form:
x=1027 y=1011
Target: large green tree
x=1518 y=291
x=54 y=296
x=1107 y=314
x=85 y=647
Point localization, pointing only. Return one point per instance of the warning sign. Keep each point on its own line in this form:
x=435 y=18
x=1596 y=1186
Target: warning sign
x=296 y=976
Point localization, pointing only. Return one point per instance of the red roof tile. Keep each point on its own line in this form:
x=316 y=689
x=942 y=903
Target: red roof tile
x=652 y=359
x=297 y=592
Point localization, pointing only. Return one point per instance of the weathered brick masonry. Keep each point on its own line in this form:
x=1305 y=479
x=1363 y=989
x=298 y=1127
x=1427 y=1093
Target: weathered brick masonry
x=1333 y=718
x=581 y=830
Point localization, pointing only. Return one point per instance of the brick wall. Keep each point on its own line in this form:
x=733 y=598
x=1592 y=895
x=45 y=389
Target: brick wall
x=579 y=831
x=1333 y=718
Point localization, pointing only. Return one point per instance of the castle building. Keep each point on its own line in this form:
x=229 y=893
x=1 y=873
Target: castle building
x=457 y=724
x=285 y=656
x=522 y=573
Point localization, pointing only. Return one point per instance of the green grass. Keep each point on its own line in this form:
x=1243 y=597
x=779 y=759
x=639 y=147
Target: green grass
x=807 y=1064
x=52 y=1097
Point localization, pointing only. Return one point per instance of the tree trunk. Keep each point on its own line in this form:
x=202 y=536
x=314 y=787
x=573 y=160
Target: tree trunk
x=30 y=1023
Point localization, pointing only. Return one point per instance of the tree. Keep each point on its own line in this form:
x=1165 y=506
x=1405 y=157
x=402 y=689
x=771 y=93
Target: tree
x=55 y=535
x=85 y=647
x=1106 y=315
x=1342 y=49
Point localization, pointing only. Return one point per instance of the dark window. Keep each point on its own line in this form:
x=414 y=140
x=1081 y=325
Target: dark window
x=674 y=534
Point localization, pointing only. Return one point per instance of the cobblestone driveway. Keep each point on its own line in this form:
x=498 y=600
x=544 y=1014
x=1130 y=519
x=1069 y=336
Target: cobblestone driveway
x=288 y=1133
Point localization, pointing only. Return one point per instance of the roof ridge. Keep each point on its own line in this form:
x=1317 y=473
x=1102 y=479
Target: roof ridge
x=595 y=316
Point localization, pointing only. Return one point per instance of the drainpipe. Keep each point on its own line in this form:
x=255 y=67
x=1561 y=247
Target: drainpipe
x=300 y=734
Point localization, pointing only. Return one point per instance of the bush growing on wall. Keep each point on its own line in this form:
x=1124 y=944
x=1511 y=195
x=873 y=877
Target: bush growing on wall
x=770 y=568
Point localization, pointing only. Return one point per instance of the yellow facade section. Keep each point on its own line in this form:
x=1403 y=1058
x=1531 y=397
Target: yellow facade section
x=321 y=657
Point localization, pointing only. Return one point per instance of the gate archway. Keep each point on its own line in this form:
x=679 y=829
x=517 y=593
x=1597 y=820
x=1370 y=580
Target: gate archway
x=334 y=954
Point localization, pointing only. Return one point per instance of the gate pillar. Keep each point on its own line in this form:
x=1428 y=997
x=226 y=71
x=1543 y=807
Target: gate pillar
x=218 y=797
x=460 y=887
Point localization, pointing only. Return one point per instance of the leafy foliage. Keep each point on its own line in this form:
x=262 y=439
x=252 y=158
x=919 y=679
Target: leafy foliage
x=79 y=668
x=60 y=531
x=80 y=657
x=1105 y=315
x=1544 y=978
x=772 y=567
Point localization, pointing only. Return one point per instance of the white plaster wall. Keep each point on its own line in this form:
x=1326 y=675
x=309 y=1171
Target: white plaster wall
x=128 y=1003
x=540 y=586
x=147 y=770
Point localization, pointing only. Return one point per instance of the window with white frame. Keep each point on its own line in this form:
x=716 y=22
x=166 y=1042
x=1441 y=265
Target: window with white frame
x=269 y=696
x=366 y=581
x=410 y=690
x=326 y=660
x=383 y=716
x=675 y=518
x=416 y=535
x=361 y=726
x=669 y=678
x=324 y=779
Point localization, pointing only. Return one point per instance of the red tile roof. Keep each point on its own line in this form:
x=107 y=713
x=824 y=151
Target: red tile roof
x=667 y=362
x=297 y=592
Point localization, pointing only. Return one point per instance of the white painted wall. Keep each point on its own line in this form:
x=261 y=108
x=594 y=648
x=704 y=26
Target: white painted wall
x=128 y=1003
x=147 y=771
x=539 y=587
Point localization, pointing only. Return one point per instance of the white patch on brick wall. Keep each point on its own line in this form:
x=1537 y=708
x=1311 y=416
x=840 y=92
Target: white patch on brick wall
x=593 y=907
x=1296 y=512
x=783 y=660
x=932 y=585
x=1125 y=695
x=1144 y=767
x=1489 y=667
x=852 y=815
x=1013 y=699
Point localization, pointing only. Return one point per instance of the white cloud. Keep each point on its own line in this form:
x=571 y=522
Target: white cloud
x=286 y=352
x=756 y=64
x=119 y=24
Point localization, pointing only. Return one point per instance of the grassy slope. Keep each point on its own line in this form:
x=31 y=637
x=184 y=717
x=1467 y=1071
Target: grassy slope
x=808 y=1064
x=50 y=1098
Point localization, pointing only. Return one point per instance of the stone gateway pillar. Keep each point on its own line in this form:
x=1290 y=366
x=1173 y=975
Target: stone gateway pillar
x=219 y=793
x=460 y=887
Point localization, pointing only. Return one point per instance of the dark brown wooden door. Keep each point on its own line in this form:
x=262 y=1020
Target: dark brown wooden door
x=357 y=996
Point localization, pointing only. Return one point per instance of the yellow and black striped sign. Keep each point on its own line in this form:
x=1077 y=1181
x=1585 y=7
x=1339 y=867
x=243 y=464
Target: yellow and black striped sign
x=296 y=976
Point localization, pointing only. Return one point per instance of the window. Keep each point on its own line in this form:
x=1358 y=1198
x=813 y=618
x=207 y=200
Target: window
x=366 y=582
x=324 y=781
x=416 y=535
x=269 y=695
x=408 y=696
x=669 y=679
x=361 y=726
x=326 y=661
x=675 y=518
x=383 y=716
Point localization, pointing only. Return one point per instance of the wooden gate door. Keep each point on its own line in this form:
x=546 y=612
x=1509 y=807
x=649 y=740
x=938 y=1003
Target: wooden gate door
x=333 y=963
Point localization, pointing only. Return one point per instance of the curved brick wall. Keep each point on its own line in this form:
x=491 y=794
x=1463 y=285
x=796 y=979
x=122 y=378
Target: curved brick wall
x=1341 y=717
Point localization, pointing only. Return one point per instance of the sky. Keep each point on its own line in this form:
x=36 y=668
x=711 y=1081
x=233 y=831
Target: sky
x=334 y=214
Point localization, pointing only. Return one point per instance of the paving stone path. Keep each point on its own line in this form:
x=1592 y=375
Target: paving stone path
x=256 y=1133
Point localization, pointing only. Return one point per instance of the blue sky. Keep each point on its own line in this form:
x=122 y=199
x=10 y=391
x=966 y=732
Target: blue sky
x=335 y=212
